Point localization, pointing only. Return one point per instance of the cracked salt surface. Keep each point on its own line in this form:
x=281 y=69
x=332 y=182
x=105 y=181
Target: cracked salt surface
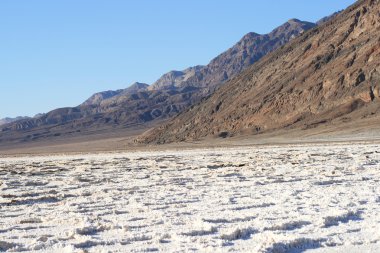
x=268 y=199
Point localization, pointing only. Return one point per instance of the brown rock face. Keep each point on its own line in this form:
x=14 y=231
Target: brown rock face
x=330 y=72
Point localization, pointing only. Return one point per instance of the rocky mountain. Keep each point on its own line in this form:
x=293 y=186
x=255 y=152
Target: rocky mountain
x=171 y=94
x=330 y=73
x=10 y=120
x=97 y=98
x=248 y=50
x=100 y=96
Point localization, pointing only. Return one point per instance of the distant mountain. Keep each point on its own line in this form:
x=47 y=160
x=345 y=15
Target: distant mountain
x=97 y=98
x=10 y=120
x=329 y=74
x=247 y=51
x=171 y=94
x=100 y=96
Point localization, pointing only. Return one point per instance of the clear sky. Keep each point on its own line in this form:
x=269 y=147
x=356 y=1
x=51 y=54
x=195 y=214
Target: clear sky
x=58 y=53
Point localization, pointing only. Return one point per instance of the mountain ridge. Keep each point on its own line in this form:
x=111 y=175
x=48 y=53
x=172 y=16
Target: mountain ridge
x=98 y=97
x=169 y=95
x=8 y=120
x=329 y=74
x=249 y=49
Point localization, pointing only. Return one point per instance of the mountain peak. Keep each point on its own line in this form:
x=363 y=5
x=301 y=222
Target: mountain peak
x=135 y=87
x=138 y=85
x=8 y=120
x=250 y=48
x=100 y=96
x=294 y=20
x=292 y=27
x=296 y=23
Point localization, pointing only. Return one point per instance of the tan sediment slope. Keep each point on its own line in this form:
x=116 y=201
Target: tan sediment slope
x=328 y=76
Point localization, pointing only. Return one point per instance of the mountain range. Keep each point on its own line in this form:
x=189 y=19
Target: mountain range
x=301 y=76
x=8 y=120
x=145 y=105
x=328 y=75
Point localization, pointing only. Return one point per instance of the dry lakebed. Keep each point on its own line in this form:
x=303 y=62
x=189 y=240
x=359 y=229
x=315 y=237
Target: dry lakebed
x=288 y=198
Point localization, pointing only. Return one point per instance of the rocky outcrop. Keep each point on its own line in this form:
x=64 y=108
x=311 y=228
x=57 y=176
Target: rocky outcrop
x=329 y=73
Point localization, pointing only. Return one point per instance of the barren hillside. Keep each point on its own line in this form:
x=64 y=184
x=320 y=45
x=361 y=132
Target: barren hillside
x=330 y=73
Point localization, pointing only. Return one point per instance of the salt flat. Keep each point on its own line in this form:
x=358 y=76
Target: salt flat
x=290 y=198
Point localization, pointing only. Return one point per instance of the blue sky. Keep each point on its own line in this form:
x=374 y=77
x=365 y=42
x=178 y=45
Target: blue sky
x=58 y=53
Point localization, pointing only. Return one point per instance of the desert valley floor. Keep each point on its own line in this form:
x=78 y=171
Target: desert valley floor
x=288 y=198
